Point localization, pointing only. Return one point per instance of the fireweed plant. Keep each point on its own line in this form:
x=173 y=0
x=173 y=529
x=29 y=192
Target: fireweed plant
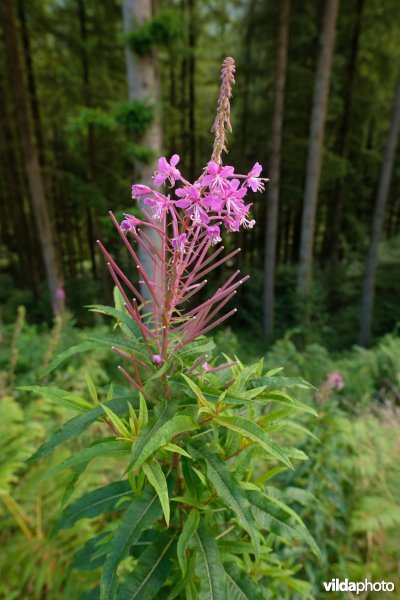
x=190 y=515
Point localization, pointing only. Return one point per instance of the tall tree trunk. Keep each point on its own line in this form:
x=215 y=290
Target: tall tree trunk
x=192 y=88
x=143 y=81
x=335 y=209
x=317 y=130
x=144 y=85
x=377 y=221
x=30 y=152
x=90 y=142
x=275 y=169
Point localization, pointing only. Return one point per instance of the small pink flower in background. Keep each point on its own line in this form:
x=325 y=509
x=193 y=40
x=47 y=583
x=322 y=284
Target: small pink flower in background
x=60 y=293
x=335 y=381
x=206 y=366
x=167 y=170
x=157 y=360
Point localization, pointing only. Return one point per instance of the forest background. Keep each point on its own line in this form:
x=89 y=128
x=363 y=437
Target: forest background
x=91 y=94
x=315 y=89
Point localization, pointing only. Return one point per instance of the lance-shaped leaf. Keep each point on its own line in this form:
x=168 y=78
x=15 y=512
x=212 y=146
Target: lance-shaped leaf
x=116 y=421
x=255 y=433
x=286 y=400
x=60 y=396
x=188 y=531
x=209 y=567
x=78 y=349
x=104 y=499
x=142 y=512
x=276 y=383
x=156 y=477
x=143 y=413
x=229 y=491
x=92 y=389
x=240 y=585
x=78 y=424
x=159 y=431
x=151 y=571
x=198 y=392
x=119 y=315
x=110 y=449
x=278 y=520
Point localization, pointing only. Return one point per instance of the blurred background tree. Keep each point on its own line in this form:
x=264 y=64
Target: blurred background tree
x=76 y=131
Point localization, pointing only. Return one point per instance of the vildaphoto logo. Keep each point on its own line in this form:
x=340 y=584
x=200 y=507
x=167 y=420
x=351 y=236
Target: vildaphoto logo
x=335 y=585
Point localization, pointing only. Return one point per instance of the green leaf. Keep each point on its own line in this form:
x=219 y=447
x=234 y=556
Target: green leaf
x=109 y=341
x=143 y=413
x=282 y=398
x=61 y=396
x=92 y=554
x=209 y=567
x=111 y=449
x=276 y=383
x=92 y=389
x=78 y=424
x=158 y=432
x=104 y=499
x=156 y=477
x=197 y=391
x=116 y=421
x=229 y=491
x=240 y=585
x=142 y=512
x=189 y=528
x=254 y=432
x=276 y=520
x=150 y=573
x=78 y=349
x=177 y=449
x=119 y=315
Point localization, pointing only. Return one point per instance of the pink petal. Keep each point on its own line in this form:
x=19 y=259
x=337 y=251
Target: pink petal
x=174 y=160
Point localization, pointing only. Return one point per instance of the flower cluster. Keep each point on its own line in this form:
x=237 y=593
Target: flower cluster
x=216 y=199
x=172 y=246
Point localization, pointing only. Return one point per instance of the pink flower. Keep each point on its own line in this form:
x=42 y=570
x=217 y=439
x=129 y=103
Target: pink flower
x=193 y=203
x=179 y=242
x=206 y=366
x=335 y=381
x=216 y=176
x=167 y=170
x=60 y=293
x=214 y=234
x=157 y=360
x=159 y=205
x=253 y=179
x=130 y=223
x=140 y=190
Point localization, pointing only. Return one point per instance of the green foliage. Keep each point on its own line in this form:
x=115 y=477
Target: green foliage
x=162 y=30
x=136 y=116
x=193 y=449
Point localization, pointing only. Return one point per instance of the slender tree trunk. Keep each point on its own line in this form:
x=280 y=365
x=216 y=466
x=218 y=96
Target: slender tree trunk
x=192 y=88
x=317 y=131
x=275 y=169
x=377 y=221
x=143 y=81
x=30 y=152
x=144 y=85
x=335 y=210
